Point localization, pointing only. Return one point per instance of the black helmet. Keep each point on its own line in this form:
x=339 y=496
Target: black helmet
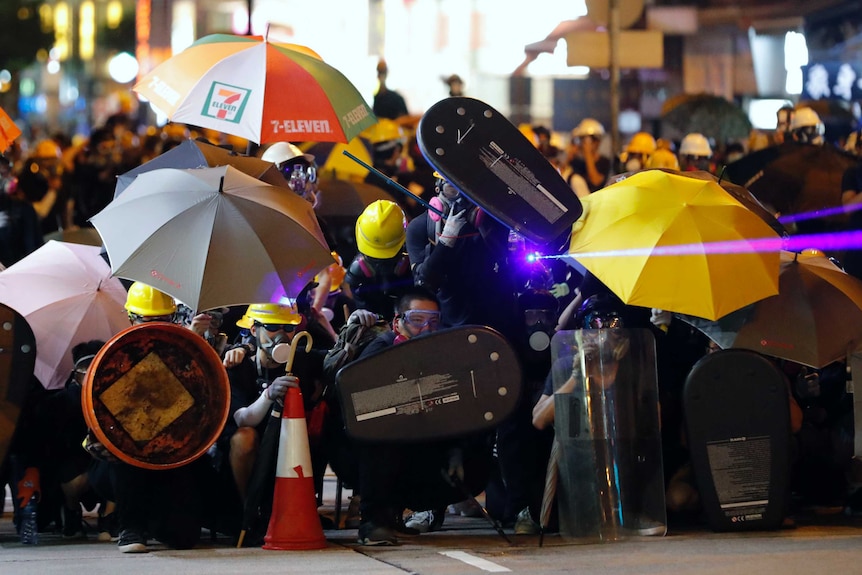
x=600 y=311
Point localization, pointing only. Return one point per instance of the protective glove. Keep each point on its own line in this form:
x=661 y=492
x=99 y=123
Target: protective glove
x=454 y=223
x=363 y=317
x=660 y=318
x=560 y=290
x=456 y=463
x=278 y=388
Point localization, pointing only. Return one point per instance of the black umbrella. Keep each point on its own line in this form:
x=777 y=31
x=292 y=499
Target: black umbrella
x=708 y=114
x=795 y=178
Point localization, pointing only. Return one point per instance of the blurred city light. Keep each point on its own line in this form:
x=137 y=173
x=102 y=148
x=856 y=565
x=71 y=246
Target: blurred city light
x=123 y=68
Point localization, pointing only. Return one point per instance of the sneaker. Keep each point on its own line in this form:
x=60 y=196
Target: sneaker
x=650 y=527
x=108 y=528
x=372 y=534
x=73 y=523
x=467 y=508
x=524 y=524
x=132 y=542
x=401 y=529
x=425 y=521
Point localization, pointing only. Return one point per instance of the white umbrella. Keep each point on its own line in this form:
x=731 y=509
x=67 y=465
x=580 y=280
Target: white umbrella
x=67 y=295
x=213 y=237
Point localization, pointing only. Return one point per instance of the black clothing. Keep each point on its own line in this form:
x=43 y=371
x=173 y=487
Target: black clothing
x=389 y=104
x=20 y=230
x=579 y=166
x=852 y=180
x=378 y=284
x=471 y=279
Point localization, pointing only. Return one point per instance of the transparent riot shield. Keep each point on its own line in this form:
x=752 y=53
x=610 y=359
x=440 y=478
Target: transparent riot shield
x=610 y=483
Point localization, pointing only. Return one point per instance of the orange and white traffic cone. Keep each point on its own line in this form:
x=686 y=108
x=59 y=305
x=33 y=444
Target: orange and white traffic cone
x=294 y=523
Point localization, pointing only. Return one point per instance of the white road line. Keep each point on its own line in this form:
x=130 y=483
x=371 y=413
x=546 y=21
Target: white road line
x=482 y=564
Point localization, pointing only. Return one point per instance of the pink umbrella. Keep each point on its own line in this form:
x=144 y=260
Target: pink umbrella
x=67 y=295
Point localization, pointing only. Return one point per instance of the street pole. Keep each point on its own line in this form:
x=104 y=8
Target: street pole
x=614 y=49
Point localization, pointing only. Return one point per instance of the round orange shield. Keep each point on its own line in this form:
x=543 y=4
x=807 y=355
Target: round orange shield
x=156 y=396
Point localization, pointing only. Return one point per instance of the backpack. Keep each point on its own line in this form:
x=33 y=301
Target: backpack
x=352 y=339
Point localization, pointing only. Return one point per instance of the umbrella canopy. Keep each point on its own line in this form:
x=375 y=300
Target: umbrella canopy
x=213 y=237
x=647 y=239
x=258 y=90
x=333 y=163
x=713 y=116
x=8 y=131
x=342 y=198
x=794 y=178
x=745 y=197
x=67 y=295
x=815 y=319
x=196 y=154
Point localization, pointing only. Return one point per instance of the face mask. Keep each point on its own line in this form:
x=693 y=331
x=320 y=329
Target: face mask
x=633 y=165
x=267 y=343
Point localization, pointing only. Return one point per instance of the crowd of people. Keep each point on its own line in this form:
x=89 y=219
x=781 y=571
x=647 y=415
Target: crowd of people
x=405 y=272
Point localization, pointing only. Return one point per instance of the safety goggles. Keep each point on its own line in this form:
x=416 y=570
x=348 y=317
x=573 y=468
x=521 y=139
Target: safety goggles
x=285 y=327
x=603 y=321
x=419 y=319
x=151 y=318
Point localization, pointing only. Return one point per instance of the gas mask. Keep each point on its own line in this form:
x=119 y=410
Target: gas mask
x=540 y=327
x=267 y=343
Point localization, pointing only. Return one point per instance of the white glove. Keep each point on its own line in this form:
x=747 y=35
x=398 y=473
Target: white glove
x=454 y=223
x=363 y=317
x=278 y=388
x=660 y=318
x=560 y=290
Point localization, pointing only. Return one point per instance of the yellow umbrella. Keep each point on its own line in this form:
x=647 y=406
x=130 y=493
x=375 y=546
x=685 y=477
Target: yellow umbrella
x=332 y=162
x=653 y=239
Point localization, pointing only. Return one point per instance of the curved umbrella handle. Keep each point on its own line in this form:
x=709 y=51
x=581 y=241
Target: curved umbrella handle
x=293 y=345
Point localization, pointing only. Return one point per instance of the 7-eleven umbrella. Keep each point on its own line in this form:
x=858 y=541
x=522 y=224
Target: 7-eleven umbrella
x=8 y=131
x=258 y=90
x=213 y=237
x=651 y=237
x=67 y=295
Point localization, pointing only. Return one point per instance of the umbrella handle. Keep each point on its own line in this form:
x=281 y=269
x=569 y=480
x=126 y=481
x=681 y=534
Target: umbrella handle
x=293 y=345
x=393 y=184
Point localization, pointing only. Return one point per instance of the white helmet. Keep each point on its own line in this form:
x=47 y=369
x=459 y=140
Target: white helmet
x=695 y=144
x=281 y=152
x=806 y=127
x=588 y=127
x=300 y=170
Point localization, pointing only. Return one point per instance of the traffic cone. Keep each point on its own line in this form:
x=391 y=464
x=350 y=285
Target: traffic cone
x=294 y=523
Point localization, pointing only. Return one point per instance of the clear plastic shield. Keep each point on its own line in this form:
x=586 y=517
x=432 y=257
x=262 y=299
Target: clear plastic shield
x=610 y=481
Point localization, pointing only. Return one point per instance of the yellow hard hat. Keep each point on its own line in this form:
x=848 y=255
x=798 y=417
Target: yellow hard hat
x=147 y=301
x=244 y=322
x=641 y=143
x=336 y=272
x=381 y=230
x=663 y=158
x=274 y=313
x=383 y=131
x=46 y=149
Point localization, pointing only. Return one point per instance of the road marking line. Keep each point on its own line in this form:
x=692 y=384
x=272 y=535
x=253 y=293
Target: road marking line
x=483 y=564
